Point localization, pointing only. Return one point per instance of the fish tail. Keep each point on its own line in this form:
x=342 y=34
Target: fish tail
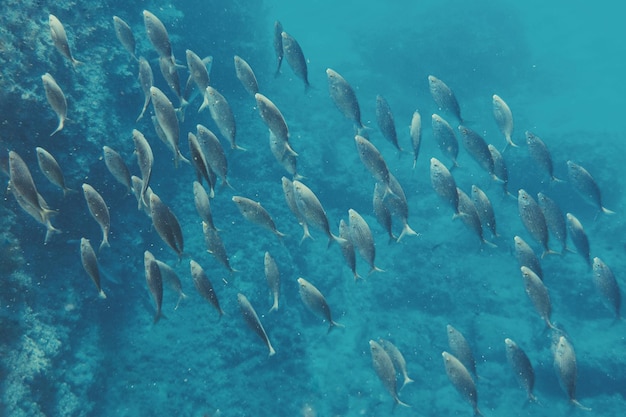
x=238 y=148
x=399 y=402
x=105 y=242
x=406 y=230
x=357 y=276
x=549 y=252
x=375 y=269
x=407 y=380
x=606 y=210
x=51 y=230
x=102 y=295
x=59 y=127
x=488 y=243
x=274 y=306
x=579 y=405
x=334 y=324
x=76 y=63
x=67 y=191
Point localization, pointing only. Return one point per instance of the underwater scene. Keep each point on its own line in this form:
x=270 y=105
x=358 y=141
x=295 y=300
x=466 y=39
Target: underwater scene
x=317 y=209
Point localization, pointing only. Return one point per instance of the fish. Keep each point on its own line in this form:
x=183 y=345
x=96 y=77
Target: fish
x=386 y=123
x=170 y=74
x=382 y=212
x=362 y=239
x=215 y=246
x=117 y=167
x=145 y=160
x=166 y=116
x=315 y=302
x=166 y=224
x=522 y=368
x=255 y=213
x=99 y=211
x=397 y=359
x=273 y=119
x=383 y=365
x=311 y=210
x=198 y=72
x=540 y=154
x=460 y=348
x=504 y=119
x=295 y=58
x=554 y=219
x=290 y=199
x=606 y=284
x=500 y=169
x=203 y=206
x=272 y=275
x=23 y=185
x=59 y=38
x=213 y=153
x=526 y=256
x=462 y=380
x=137 y=186
x=223 y=116
x=444 y=97
x=90 y=264
x=34 y=212
x=470 y=217
x=415 y=131
x=398 y=205
x=374 y=162
x=204 y=287
x=146 y=81
x=478 y=149
x=445 y=138
x=347 y=248
x=285 y=158
x=158 y=37
x=169 y=275
x=533 y=219
x=583 y=182
x=253 y=321
x=343 y=96
x=154 y=280
x=244 y=73
x=579 y=237
x=51 y=169
x=444 y=185
x=484 y=209
x=278 y=46
x=200 y=164
x=566 y=369
x=56 y=99
x=538 y=294
x=125 y=35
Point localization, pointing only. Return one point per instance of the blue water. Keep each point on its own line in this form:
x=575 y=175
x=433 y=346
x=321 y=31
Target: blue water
x=65 y=352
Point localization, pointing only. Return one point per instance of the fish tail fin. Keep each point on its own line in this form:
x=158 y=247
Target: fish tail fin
x=375 y=269
x=357 y=277
x=51 y=230
x=181 y=296
x=579 y=405
x=59 y=127
x=290 y=150
x=272 y=352
x=105 y=243
x=102 y=295
x=274 y=306
x=477 y=411
x=333 y=325
x=157 y=317
x=488 y=243
x=67 y=191
x=606 y=210
x=76 y=63
x=407 y=230
x=306 y=235
x=556 y=180
x=549 y=252
x=238 y=148
x=407 y=380
x=397 y=401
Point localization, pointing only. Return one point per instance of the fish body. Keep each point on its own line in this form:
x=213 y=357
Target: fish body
x=522 y=368
x=469 y=215
x=145 y=161
x=397 y=204
x=158 y=37
x=444 y=97
x=272 y=275
x=540 y=154
x=146 y=81
x=213 y=153
x=169 y=275
x=125 y=35
x=567 y=370
x=460 y=348
x=244 y=73
x=51 y=169
x=90 y=264
x=99 y=211
x=484 y=209
x=253 y=321
x=504 y=118
x=295 y=58
x=203 y=206
x=527 y=257
x=154 y=280
x=373 y=161
x=415 y=131
x=204 y=286
x=533 y=219
x=538 y=295
x=554 y=219
x=445 y=138
x=56 y=99
x=215 y=246
x=343 y=96
x=579 y=237
x=444 y=185
x=198 y=72
x=273 y=118
x=383 y=365
x=386 y=123
x=311 y=210
x=59 y=38
x=399 y=363
x=462 y=380
x=478 y=149
x=166 y=224
x=283 y=154
x=499 y=167
x=315 y=302
x=583 y=182
x=200 y=164
x=255 y=213
x=222 y=115
x=166 y=116
x=347 y=248
x=290 y=199
x=607 y=286
x=22 y=185
x=117 y=167
x=362 y=239
x=278 y=46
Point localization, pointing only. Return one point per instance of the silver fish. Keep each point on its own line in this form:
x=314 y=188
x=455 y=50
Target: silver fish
x=272 y=275
x=222 y=114
x=607 y=286
x=386 y=123
x=415 y=131
x=538 y=294
x=117 y=167
x=373 y=161
x=444 y=185
x=540 y=154
x=583 y=182
x=51 y=169
x=125 y=35
x=347 y=248
x=470 y=217
x=213 y=152
x=99 y=211
x=566 y=369
x=397 y=359
x=533 y=219
x=273 y=118
x=255 y=213
x=23 y=185
x=166 y=116
x=154 y=280
x=170 y=74
x=166 y=224
x=200 y=164
x=382 y=212
x=203 y=206
x=137 y=187
x=204 y=286
x=215 y=246
x=169 y=275
x=445 y=138
x=398 y=206
x=315 y=302
x=522 y=368
x=484 y=209
x=56 y=99
x=253 y=321
x=278 y=45
x=59 y=38
x=90 y=264
x=290 y=198
x=554 y=219
x=311 y=210
x=444 y=97
x=244 y=73
x=526 y=256
x=461 y=379
x=460 y=348
x=343 y=96
x=362 y=239
x=500 y=169
x=198 y=72
x=145 y=160
x=478 y=149
x=146 y=81
x=158 y=37
x=285 y=158
x=295 y=58
x=579 y=237
x=34 y=212
x=504 y=119
x=383 y=365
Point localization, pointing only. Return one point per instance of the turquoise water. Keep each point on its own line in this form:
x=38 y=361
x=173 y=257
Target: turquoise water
x=66 y=352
